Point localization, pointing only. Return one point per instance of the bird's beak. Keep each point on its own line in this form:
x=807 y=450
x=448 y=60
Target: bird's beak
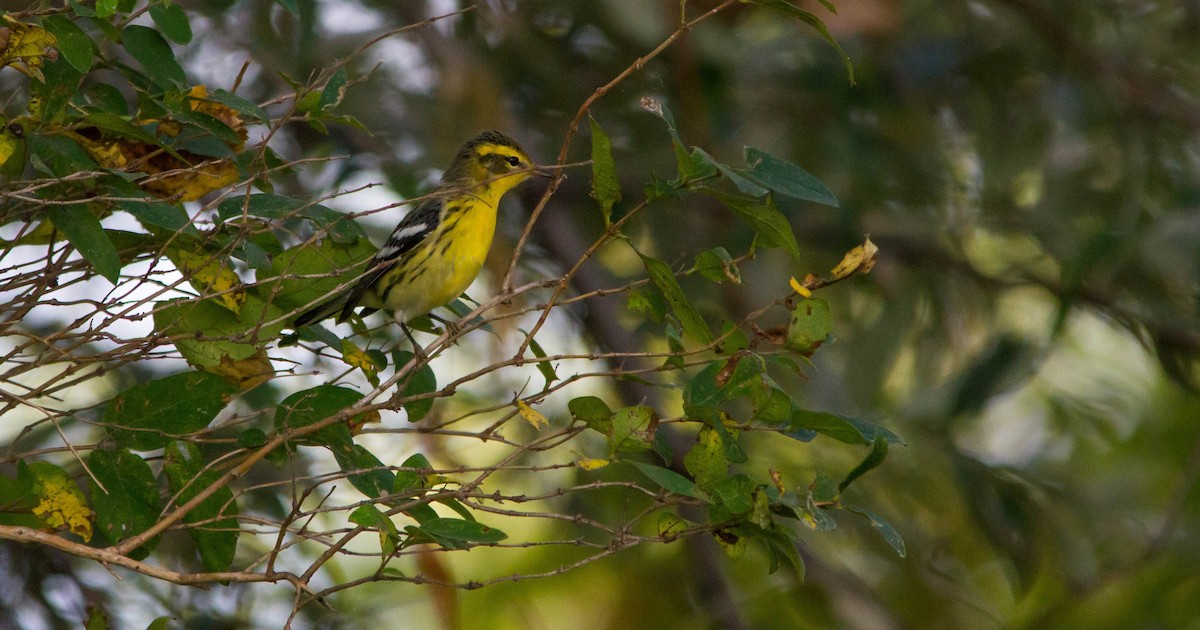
x=542 y=171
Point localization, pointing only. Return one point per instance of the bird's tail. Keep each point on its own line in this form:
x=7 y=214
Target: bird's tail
x=319 y=312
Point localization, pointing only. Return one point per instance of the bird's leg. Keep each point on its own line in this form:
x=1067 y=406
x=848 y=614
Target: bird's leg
x=452 y=327
x=418 y=351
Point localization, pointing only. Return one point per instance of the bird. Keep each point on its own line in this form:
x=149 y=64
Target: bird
x=438 y=248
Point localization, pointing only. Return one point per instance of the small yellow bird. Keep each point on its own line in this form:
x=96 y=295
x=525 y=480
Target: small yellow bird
x=436 y=251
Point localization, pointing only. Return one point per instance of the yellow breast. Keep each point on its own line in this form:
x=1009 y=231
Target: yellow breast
x=446 y=264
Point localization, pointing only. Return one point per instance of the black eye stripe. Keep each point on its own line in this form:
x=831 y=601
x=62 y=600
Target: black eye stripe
x=499 y=163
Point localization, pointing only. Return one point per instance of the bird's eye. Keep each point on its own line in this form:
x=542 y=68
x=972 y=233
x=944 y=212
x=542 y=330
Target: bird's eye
x=514 y=161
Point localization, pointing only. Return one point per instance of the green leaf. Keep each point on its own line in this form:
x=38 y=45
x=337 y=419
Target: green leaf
x=735 y=341
x=870 y=431
x=370 y=516
x=717 y=265
x=161 y=623
x=780 y=544
x=591 y=411
x=458 y=508
x=719 y=381
x=702 y=389
x=207 y=330
x=334 y=91
x=692 y=166
x=74 y=45
x=269 y=206
x=15 y=496
x=84 y=232
x=150 y=212
x=125 y=497
x=105 y=8
x=314 y=405
x=670 y=526
x=744 y=184
x=302 y=276
x=809 y=326
x=214 y=126
x=771 y=226
x=773 y=407
x=172 y=21
x=107 y=98
x=647 y=303
x=545 y=367
x=372 y=478
x=736 y=493
x=783 y=6
x=413 y=479
x=694 y=326
x=817 y=518
x=148 y=416
x=253 y=437
x=884 y=528
x=61 y=86
x=633 y=429
x=58 y=501
x=213 y=523
x=456 y=533
x=421 y=381
x=154 y=53
x=241 y=105
x=121 y=127
x=786 y=178
x=606 y=190
x=706 y=460
x=671 y=481
x=879 y=449
x=837 y=427
x=59 y=156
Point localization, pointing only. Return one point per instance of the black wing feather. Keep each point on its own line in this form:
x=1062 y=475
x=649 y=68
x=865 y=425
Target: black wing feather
x=413 y=229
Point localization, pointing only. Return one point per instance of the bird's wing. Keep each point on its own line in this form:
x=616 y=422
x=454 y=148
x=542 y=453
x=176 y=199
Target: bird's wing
x=413 y=229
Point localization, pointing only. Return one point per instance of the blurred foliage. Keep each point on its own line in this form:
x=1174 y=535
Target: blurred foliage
x=1032 y=328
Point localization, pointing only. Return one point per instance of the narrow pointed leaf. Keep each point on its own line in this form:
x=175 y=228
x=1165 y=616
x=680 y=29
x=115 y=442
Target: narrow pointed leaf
x=786 y=178
x=605 y=188
x=86 y=235
x=694 y=326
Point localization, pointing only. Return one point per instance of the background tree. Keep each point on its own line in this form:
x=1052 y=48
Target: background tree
x=181 y=178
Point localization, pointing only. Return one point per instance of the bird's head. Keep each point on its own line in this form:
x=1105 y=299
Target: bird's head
x=491 y=161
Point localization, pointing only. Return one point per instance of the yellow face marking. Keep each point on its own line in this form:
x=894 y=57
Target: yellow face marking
x=493 y=168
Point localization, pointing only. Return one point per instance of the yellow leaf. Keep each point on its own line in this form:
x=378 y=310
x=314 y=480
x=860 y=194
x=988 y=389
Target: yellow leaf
x=181 y=175
x=198 y=101
x=733 y=545
x=8 y=146
x=190 y=183
x=588 y=463
x=209 y=275
x=246 y=373
x=859 y=260
x=356 y=358
x=108 y=155
x=670 y=526
x=25 y=47
x=799 y=288
x=62 y=503
x=357 y=423
x=776 y=479
x=531 y=415
x=761 y=513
